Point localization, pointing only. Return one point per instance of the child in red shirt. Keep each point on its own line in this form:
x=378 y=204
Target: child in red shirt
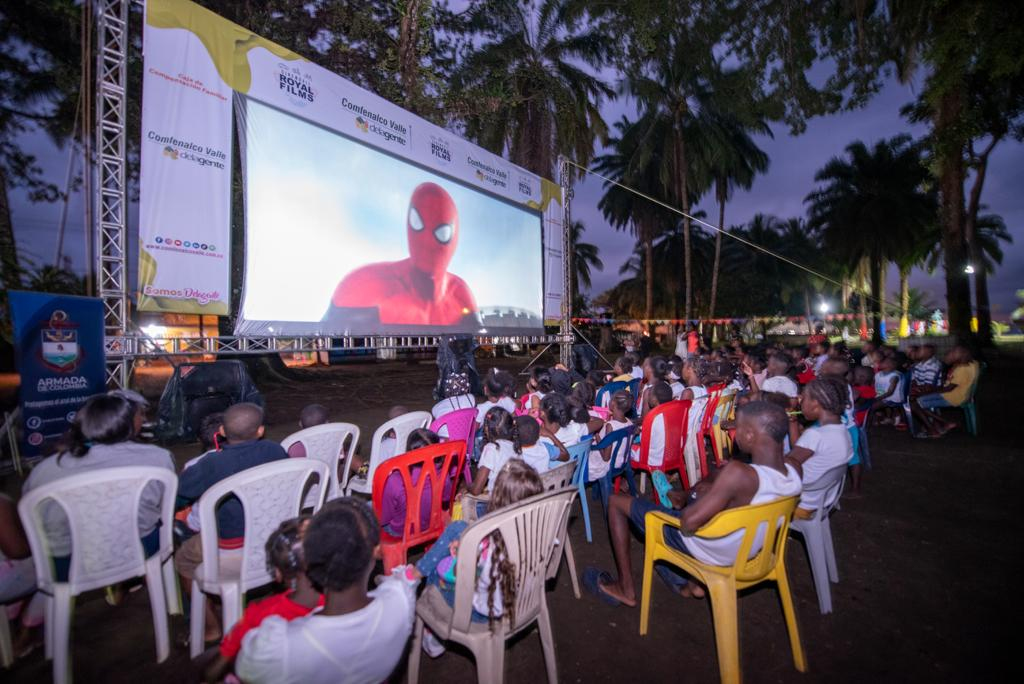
x=863 y=393
x=286 y=562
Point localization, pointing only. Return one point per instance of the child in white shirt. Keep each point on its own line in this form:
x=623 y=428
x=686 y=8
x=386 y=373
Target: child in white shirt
x=357 y=636
x=501 y=444
x=498 y=388
x=660 y=393
x=600 y=462
x=826 y=444
x=535 y=454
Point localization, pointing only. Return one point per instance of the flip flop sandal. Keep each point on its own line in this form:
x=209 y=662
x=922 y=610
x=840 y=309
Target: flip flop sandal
x=661 y=485
x=592 y=579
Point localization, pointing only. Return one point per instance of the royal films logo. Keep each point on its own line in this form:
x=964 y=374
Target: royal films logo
x=490 y=174
x=60 y=351
x=177 y=149
x=441 y=149
x=296 y=83
x=369 y=122
x=526 y=187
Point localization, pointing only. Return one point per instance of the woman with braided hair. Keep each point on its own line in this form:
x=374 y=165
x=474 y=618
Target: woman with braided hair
x=357 y=636
x=826 y=444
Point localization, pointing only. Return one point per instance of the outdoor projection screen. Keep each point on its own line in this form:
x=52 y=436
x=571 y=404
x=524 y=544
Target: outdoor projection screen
x=345 y=239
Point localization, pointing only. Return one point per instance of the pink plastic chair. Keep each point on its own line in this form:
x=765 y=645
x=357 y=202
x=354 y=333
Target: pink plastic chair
x=461 y=425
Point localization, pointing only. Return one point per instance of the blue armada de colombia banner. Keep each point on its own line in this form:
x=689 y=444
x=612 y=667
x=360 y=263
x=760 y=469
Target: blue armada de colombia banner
x=59 y=354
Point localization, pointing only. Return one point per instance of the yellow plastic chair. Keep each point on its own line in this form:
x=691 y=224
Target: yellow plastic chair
x=720 y=439
x=724 y=582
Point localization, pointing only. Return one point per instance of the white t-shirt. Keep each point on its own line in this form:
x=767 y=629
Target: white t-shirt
x=494 y=456
x=782 y=385
x=597 y=467
x=504 y=402
x=677 y=389
x=357 y=648
x=818 y=362
x=637 y=372
x=445 y=406
x=656 y=448
x=536 y=456
x=832 y=447
x=882 y=381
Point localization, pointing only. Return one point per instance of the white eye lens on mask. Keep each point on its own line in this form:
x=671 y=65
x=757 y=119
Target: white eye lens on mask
x=415 y=222
x=444 y=233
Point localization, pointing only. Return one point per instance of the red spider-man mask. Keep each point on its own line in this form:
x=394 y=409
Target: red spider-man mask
x=433 y=228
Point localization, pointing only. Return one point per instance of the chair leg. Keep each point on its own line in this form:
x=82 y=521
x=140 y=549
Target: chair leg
x=570 y=561
x=62 y=607
x=645 y=591
x=722 y=593
x=197 y=621
x=172 y=589
x=631 y=481
x=819 y=566
x=586 y=511
x=830 y=552
x=789 y=612
x=231 y=596
x=547 y=643
x=413 y=667
x=48 y=628
x=6 y=648
x=158 y=604
x=490 y=659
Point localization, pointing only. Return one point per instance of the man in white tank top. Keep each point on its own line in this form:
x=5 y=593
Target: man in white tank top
x=760 y=430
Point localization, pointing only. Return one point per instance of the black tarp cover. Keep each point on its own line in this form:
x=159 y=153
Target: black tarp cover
x=198 y=389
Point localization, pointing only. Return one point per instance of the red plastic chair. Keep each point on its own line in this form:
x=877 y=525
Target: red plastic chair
x=674 y=415
x=707 y=422
x=437 y=464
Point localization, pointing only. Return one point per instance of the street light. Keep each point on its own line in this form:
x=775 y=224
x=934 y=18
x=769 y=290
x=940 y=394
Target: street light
x=823 y=307
x=969 y=269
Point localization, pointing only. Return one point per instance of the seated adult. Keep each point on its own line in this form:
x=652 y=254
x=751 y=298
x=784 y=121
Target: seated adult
x=100 y=437
x=760 y=430
x=963 y=373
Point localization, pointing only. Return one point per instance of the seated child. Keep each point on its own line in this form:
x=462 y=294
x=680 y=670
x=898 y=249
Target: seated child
x=660 y=393
x=537 y=387
x=313 y=414
x=635 y=371
x=888 y=389
x=458 y=394
x=535 y=454
x=491 y=599
x=394 y=501
x=926 y=373
x=245 y=448
x=600 y=462
x=863 y=393
x=655 y=369
x=209 y=432
x=358 y=635
x=498 y=388
x=501 y=444
x=695 y=371
x=623 y=369
x=557 y=427
x=285 y=561
x=674 y=376
x=826 y=444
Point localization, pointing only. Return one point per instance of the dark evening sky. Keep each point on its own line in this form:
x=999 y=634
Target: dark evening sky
x=780 y=192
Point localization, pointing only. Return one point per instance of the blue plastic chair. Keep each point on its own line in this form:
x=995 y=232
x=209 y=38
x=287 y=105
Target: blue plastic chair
x=609 y=389
x=634 y=386
x=579 y=453
x=619 y=439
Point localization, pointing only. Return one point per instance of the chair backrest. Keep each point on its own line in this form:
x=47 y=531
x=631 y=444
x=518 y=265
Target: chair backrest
x=559 y=476
x=711 y=407
x=461 y=425
x=270 y=494
x=674 y=414
x=634 y=386
x=768 y=522
x=437 y=464
x=325 y=443
x=604 y=395
x=102 y=510
x=619 y=441
x=402 y=426
x=529 y=530
x=831 y=483
x=579 y=453
x=725 y=404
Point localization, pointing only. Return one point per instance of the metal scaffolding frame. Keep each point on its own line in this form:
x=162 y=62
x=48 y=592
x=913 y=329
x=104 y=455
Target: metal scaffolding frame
x=111 y=177
x=124 y=342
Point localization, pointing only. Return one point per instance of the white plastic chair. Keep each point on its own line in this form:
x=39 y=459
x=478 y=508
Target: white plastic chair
x=817 y=533
x=102 y=508
x=529 y=530
x=557 y=478
x=325 y=443
x=402 y=425
x=270 y=494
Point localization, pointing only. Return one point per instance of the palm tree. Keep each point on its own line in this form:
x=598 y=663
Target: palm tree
x=676 y=99
x=624 y=209
x=873 y=205
x=526 y=71
x=584 y=257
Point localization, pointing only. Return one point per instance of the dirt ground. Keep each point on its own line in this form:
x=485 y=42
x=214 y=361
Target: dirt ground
x=925 y=562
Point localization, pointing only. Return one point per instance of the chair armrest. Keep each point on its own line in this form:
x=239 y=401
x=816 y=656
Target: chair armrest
x=657 y=520
x=469 y=505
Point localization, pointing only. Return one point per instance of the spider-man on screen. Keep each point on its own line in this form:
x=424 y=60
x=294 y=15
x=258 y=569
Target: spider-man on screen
x=418 y=290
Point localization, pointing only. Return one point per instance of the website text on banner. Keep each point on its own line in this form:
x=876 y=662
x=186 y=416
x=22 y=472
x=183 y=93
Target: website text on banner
x=58 y=343
x=215 y=58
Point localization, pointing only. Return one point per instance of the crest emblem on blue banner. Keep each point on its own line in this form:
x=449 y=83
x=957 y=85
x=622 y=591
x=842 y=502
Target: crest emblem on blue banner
x=60 y=350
